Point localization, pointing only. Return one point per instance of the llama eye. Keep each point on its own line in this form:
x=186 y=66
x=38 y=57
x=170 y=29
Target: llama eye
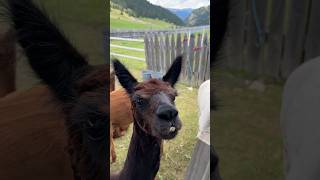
x=173 y=98
x=139 y=100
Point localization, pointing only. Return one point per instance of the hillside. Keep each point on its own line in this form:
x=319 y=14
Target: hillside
x=181 y=13
x=198 y=17
x=142 y=8
x=122 y=20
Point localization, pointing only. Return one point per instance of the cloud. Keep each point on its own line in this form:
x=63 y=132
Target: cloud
x=180 y=4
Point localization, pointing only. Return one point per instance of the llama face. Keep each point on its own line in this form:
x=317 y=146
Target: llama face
x=153 y=100
x=153 y=103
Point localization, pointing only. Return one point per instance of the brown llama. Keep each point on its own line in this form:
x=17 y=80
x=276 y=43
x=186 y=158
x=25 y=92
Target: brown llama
x=155 y=118
x=68 y=145
x=120 y=112
x=121 y=117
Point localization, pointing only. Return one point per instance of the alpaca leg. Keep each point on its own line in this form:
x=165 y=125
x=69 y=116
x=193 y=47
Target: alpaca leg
x=161 y=149
x=112 y=149
x=7 y=63
x=113 y=152
x=112 y=81
x=117 y=132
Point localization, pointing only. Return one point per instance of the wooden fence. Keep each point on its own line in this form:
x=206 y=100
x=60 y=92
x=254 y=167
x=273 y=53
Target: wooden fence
x=161 y=49
x=129 y=33
x=272 y=37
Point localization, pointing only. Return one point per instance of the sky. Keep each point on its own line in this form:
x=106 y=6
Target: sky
x=180 y=4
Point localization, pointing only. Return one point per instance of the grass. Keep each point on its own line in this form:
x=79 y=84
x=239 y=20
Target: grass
x=247 y=133
x=177 y=152
x=128 y=44
x=120 y=20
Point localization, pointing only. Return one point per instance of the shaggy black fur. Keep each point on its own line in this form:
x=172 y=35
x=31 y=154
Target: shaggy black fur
x=219 y=21
x=81 y=89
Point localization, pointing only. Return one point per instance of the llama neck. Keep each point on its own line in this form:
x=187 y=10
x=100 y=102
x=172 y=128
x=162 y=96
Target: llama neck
x=143 y=159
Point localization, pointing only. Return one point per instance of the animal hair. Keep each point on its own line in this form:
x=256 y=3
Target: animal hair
x=219 y=22
x=220 y=15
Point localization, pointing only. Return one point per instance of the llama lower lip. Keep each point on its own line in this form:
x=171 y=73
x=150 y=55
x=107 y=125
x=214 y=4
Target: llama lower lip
x=170 y=134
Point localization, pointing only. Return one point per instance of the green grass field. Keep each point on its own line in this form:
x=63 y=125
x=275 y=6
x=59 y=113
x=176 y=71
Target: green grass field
x=246 y=130
x=120 y=20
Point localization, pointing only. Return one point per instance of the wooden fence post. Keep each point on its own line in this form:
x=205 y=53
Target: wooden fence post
x=255 y=45
x=157 y=53
x=295 y=37
x=185 y=56
x=196 y=68
x=312 y=46
x=161 y=54
x=167 y=52
x=173 y=49
x=147 y=51
x=236 y=36
x=203 y=56
x=190 y=72
x=273 y=56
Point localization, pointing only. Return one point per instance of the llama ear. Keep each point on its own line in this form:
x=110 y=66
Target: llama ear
x=173 y=73
x=126 y=80
x=50 y=54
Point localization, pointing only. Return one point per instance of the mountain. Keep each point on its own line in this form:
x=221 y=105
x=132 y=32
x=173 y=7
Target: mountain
x=143 y=8
x=198 y=17
x=181 y=13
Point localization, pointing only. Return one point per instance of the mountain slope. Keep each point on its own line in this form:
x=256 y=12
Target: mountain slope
x=142 y=8
x=181 y=13
x=198 y=17
x=122 y=20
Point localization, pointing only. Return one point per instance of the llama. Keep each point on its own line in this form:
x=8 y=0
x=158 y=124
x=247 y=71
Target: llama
x=120 y=116
x=78 y=89
x=154 y=118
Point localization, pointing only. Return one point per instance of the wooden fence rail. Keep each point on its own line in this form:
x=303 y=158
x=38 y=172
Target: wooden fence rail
x=161 y=49
x=272 y=37
x=129 y=33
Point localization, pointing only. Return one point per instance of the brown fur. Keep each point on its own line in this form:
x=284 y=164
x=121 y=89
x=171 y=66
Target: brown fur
x=33 y=121
x=120 y=115
x=33 y=137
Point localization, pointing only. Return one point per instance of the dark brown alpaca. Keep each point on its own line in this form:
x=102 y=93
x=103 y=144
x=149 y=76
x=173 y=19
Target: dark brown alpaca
x=155 y=118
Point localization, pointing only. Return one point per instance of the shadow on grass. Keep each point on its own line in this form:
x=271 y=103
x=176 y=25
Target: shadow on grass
x=246 y=130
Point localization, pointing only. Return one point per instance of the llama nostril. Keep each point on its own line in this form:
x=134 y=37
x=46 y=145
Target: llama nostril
x=167 y=112
x=174 y=113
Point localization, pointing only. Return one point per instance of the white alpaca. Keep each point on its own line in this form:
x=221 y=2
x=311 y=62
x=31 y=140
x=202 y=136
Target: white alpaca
x=300 y=120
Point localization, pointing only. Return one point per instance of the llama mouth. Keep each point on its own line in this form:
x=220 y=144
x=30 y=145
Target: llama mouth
x=170 y=134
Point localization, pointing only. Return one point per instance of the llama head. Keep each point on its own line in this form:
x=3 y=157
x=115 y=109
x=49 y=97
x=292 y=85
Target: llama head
x=153 y=100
